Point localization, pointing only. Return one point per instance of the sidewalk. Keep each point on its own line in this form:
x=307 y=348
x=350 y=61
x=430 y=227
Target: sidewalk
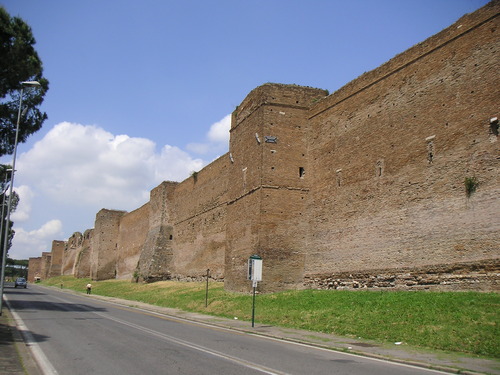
x=15 y=357
x=456 y=363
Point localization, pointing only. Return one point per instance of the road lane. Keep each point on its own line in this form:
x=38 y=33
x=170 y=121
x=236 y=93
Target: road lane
x=82 y=335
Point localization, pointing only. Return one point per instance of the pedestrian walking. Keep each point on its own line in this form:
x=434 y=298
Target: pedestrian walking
x=89 y=288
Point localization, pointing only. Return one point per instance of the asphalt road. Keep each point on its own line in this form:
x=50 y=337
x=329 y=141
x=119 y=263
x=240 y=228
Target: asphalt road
x=80 y=335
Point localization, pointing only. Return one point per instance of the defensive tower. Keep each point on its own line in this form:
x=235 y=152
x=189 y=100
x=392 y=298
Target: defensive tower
x=269 y=185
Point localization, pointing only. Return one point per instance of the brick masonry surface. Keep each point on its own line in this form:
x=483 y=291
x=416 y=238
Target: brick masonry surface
x=390 y=182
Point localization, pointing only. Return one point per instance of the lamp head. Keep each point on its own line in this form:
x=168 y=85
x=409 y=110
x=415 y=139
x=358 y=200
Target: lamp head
x=31 y=83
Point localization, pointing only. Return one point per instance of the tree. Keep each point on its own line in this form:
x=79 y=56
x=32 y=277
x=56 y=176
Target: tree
x=16 y=268
x=19 y=62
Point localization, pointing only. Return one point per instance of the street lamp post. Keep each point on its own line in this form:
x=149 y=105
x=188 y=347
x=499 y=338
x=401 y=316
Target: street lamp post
x=4 y=194
x=9 y=202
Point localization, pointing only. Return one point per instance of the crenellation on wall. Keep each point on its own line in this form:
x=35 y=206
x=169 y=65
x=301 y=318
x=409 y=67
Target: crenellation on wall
x=392 y=181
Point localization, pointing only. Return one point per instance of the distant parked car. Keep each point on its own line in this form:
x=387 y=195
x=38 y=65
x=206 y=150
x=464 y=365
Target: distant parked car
x=21 y=282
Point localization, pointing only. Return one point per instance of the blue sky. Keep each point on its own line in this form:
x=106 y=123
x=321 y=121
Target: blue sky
x=141 y=91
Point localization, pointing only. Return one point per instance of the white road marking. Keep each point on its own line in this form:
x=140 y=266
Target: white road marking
x=49 y=369
x=43 y=363
x=190 y=345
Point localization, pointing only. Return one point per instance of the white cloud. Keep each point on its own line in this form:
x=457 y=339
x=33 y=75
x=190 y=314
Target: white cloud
x=75 y=170
x=84 y=165
x=217 y=139
x=173 y=162
x=22 y=212
x=33 y=243
x=219 y=132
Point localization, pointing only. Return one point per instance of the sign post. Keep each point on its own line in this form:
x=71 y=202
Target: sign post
x=254 y=274
x=206 y=292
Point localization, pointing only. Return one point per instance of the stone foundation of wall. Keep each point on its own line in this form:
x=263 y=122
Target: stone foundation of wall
x=477 y=276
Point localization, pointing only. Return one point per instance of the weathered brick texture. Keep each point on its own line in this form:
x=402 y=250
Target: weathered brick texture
x=155 y=260
x=45 y=264
x=73 y=244
x=104 y=247
x=268 y=188
x=56 y=259
x=198 y=219
x=363 y=188
x=81 y=267
x=34 y=268
x=389 y=154
x=132 y=233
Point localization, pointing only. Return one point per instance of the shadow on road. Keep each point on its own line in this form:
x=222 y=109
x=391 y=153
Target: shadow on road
x=23 y=305
x=33 y=306
x=9 y=288
x=21 y=291
x=7 y=337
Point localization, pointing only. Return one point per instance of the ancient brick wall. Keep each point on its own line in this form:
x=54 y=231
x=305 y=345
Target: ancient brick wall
x=56 y=258
x=476 y=275
x=45 y=264
x=389 y=154
x=198 y=217
x=104 y=247
x=361 y=188
x=132 y=233
x=81 y=267
x=70 y=251
x=155 y=260
x=268 y=189
x=34 y=268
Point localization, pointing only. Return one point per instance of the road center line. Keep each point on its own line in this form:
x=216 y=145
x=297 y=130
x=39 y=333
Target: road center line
x=190 y=345
x=256 y=334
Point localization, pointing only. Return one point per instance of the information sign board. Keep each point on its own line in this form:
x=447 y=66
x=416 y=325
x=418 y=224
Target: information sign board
x=255 y=268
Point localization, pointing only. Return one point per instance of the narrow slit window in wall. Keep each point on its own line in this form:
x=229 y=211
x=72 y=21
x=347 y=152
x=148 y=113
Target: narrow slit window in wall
x=244 y=178
x=339 y=177
x=379 y=168
x=302 y=172
x=430 y=149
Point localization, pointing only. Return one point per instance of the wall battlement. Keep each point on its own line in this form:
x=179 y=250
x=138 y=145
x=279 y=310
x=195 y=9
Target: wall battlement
x=363 y=188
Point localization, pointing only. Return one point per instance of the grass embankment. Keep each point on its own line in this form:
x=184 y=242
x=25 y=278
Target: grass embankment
x=454 y=321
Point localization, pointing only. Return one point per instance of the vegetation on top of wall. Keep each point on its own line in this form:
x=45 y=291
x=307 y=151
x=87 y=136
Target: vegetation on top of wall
x=471 y=184
x=194 y=174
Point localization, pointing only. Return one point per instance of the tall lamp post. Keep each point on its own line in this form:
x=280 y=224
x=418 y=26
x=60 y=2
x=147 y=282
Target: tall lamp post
x=9 y=202
x=4 y=194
